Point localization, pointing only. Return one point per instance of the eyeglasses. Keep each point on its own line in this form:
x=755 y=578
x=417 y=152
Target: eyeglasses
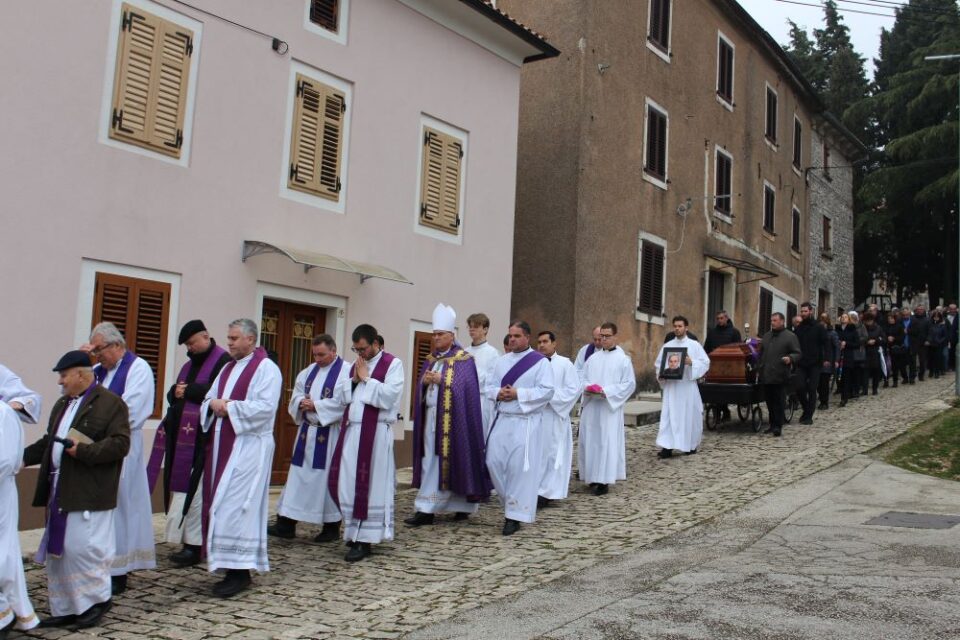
x=101 y=349
x=606 y=336
x=359 y=350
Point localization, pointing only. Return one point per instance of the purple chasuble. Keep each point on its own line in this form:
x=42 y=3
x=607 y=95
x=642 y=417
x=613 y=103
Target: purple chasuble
x=459 y=445
x=56 y=530
x=590 y=349
x=182 y=463
x=323 y=432
x=119 y=383
x=227 y=436
x=519 y=368
x=368 y=432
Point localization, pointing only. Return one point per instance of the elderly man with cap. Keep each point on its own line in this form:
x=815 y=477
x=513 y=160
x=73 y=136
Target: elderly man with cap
x=180 y=442
x=448 y=447
x=130 y=377
x=306 y=497
x=80 y=458
x=24 y=401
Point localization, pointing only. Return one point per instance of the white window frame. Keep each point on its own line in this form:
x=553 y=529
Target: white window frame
x=763 y=208
x=796 y=119
x=299 y=196
x=795 y=210
x=775 y=145
x=463 y=136
x=340 y=37
x=716 y=167
x=110 y=68
x=639 y=315
x=665 y=56
x=733 y=73
x=664 y=183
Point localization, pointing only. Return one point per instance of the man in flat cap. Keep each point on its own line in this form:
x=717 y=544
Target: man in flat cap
x=80 y=458
x=181 y=442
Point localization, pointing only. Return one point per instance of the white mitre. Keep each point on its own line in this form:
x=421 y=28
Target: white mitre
x=444 y=318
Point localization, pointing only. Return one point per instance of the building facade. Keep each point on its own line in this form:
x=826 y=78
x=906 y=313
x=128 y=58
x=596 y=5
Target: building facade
x=316 y=165
x=664 y=162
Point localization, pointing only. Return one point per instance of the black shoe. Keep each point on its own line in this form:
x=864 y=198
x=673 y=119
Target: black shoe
x=691 y=452
x=776 y=433
x=460 y=516
x=843 y=403
x=510 y=527
x=57 y=621
x=665 y=453
x=822 y=407
x=874 y=392
x=329 y=533
x=419 y=519
x=233 y=583
x=807 y=421
x=894 y=384
x=118 y=584
x=283 y=528
x=601 y=489
x=886 y=383
x=92 y=616
x=358 y=552
x=542 y=502
x=186 y=557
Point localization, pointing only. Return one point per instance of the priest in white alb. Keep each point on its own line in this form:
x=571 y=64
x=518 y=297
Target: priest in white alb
x=131 y=378
x=557 y=432
x=681 y=414
x=239 y=413
x=485 y=355
x=588 y=349
x=608 y=382
x=521 y=385
x=306 y=496
x=362 y=471
x=25 y=402
x=16 y=612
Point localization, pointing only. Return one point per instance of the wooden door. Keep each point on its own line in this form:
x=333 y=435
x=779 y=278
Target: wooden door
x=286 y=332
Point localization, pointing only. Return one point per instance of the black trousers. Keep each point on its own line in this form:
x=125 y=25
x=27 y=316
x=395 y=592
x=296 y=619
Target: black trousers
x=917 y=362
x=851 y=381
x=808 y=394
x=873 y=375
x=935 y=360
x=899 y=367
x=823 y=388
x=774 y=396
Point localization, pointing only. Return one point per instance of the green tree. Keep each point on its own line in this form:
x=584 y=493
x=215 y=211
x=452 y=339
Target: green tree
x=803 y=51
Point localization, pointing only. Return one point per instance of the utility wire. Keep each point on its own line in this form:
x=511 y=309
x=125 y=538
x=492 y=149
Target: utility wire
x=868 y=13
x=280 y=46
x=894 y=6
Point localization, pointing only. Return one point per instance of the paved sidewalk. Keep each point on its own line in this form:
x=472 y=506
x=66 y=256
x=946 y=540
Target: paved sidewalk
x=433 y=573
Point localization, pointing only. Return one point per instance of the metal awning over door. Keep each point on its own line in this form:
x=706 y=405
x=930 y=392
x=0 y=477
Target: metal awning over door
x=744 y=265
x=311 y=260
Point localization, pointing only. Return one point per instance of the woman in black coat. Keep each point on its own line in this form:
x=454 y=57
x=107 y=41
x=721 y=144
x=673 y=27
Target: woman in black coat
x=898 y=353
x=849 y=347
x=938 y=342
x=874 y=340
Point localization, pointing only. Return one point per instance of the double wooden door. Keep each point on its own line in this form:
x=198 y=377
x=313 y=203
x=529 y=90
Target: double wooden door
x=286 y=332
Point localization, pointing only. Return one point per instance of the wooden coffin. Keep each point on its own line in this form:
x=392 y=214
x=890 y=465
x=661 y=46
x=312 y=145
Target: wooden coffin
x=730 y=363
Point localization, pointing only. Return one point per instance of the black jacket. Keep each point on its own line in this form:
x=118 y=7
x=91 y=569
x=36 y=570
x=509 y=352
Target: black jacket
x=719 y=336
x=814 y=343
x=773 y=348
x=894 y=331
x=919 y=331
x=851 y=337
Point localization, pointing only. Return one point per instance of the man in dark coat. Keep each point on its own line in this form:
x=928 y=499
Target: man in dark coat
x=723 y=333
x=918 y=334
x=779 y=350
x=814 y=356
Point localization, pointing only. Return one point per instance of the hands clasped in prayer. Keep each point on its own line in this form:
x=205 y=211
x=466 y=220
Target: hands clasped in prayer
x=507 y=394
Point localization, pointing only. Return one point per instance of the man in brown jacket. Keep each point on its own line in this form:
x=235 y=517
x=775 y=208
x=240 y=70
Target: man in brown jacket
x=80 y=459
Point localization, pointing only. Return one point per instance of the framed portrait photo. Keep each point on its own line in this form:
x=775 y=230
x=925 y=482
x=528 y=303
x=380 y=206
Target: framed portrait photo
x=673 y=363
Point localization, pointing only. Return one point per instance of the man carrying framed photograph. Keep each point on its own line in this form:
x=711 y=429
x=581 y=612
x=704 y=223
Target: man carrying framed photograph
x=680 y=363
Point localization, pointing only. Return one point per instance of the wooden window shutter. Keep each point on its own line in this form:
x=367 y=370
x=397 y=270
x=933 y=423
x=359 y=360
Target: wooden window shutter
x=441 y=163
x=151 y=80
x=660 y=23
x=140 y=309
x=725 y=71
x=422 y=346
x=325 y=13
x=795 y=231
x=766 y=310
x=771 y=128
x=769 y=208
x=651 y=278
x=317 y=146
x=797 y=142
x=656 y=163
x=723 y=185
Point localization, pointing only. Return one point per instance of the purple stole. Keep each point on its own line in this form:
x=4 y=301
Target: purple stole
x=519 y=368
x=323 y=432
x=56 y=530
x=227 y=436
x=182 y=462
x=590 y=349
x=119 y=383
x=368 y=431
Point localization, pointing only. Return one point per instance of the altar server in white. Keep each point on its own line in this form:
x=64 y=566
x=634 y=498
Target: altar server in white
x=16 y=612
x=239 y=413
x=557 y=445
x=681 y=416
x=306 y=497
x=130 y=377
x=25 y=402
x=485 y=355
x=521 y=385
x=608 y=382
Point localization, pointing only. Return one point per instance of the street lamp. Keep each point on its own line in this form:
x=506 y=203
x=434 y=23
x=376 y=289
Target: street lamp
x=956 y=364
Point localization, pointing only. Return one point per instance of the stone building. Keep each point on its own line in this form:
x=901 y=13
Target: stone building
x=663 y=170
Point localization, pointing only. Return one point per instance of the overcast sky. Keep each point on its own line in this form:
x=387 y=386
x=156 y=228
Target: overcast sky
x=864 y=29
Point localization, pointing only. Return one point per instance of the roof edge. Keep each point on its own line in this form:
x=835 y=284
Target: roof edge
x=526 y=34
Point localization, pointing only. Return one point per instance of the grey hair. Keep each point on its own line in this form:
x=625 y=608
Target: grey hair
x=247 y=326
x=854 y=315
x=110 y=334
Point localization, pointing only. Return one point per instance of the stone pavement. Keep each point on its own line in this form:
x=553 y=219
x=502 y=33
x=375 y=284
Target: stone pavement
x=433 y=573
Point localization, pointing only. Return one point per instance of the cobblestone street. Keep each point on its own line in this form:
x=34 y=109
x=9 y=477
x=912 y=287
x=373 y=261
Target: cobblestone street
x=432 y=573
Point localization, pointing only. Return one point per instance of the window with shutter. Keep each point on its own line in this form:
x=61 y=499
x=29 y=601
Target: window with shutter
x=795 y=230
x=826 y=161
x=650 y=295
x=725 y=70
x=316 y=147
x=797 y=143
x=150 y=82
x=658 y=29
x=140 y=309
x=723 y=198
x=422 y=346
x=326 y=13
x=791 y=313
x=769 y=207
x=770 y=128
x=655 y=163
x=440 y=180
x=827 y=235
x=766 y=310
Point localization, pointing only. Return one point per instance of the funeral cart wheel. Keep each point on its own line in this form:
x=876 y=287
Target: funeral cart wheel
x=789 y=406
x=743 y=412
x=757 y=418
x=712 y=417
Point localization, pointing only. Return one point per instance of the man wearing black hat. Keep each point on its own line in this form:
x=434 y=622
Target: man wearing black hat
x=181 y=443
x=80 y=459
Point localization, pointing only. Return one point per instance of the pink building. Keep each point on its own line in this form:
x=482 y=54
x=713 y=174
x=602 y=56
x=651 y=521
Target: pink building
x=325 y=164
